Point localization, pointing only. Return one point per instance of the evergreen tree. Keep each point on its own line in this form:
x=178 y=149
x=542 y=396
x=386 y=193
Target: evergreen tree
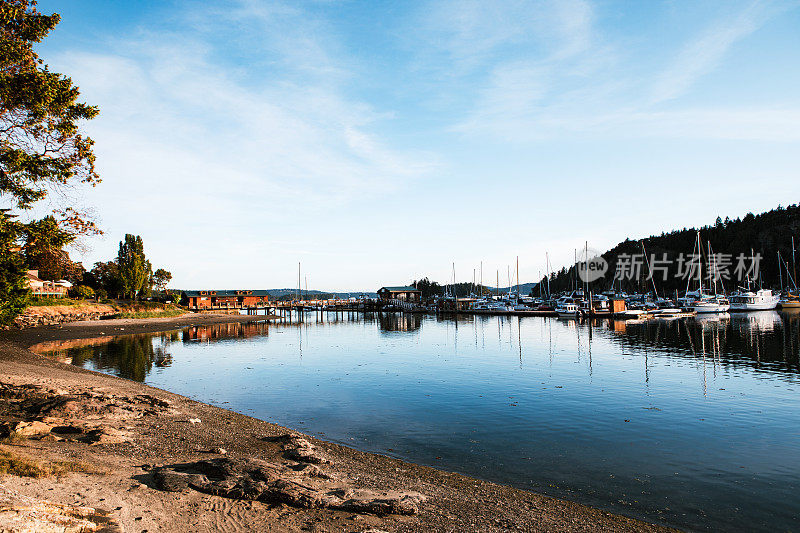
x=134 y=270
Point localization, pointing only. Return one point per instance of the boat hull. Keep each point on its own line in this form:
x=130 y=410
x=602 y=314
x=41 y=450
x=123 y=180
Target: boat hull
x=710 y=308
x=759 y=306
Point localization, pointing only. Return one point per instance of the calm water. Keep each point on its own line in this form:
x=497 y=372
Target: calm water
x=693 y=423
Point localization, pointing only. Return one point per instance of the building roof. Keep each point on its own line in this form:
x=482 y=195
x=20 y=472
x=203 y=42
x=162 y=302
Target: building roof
x=401 y=288
x=225 y=293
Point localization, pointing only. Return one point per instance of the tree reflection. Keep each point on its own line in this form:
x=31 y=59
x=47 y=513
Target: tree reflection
x=130 y=357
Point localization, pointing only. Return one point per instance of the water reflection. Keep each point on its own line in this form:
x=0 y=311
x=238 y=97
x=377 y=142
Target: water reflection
x=131 y=357
x=399 y=321
x=762 y=340
x=219 y=332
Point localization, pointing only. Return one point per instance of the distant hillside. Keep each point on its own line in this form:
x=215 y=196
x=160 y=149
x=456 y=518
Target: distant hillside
x=524 y=288
x=315 y=294
x=766 y=234
x=461 y=290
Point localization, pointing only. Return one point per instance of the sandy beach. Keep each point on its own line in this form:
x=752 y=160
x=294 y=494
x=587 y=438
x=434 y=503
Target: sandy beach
x=150 y=460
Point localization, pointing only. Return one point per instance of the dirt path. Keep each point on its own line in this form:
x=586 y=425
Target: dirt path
x=157 y=461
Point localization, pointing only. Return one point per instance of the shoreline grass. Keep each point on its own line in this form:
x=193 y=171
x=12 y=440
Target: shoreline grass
x=19 y=465
x=163 y=313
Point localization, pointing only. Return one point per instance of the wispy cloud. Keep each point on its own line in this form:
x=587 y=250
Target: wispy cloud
x=705 y=52
x=585 y=90
x=209 y=142
x=288 y=137
x=473 y=34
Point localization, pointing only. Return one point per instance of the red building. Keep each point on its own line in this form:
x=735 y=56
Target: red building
x=225 y=299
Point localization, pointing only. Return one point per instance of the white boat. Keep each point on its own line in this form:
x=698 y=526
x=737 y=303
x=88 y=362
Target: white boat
x=710 y=304
x=667 y=311
x=631 y=313
x=567 y=309
x=705 y=303
x=494 y=306
x=762 y=300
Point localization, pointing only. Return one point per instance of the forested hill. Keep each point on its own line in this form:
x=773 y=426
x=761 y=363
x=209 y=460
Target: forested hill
x=766 y=234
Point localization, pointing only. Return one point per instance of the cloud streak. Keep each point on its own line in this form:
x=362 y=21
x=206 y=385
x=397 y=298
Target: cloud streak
x=705 y=52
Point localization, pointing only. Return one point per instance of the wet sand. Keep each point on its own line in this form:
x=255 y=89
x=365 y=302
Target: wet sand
x=142 y=428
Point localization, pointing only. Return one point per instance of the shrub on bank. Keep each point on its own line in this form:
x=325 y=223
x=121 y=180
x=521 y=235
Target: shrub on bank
x=47 y=301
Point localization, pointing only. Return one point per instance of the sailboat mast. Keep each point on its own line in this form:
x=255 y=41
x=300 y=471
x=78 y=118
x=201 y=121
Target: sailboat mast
x=540 y=283
x=649 y=270
x=794 y=264
x=699 y=264
x=586 y=267
x=575 y=271
x=547 y=268
x=780 y=270
x=712 y=269
x=518 y=279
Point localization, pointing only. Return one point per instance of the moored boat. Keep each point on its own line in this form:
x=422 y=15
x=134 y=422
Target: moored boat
x=710 y=304
x=745 y=300
x=789 y=301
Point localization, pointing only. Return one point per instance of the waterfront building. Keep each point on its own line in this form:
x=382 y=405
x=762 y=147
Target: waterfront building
x=404 y=293
x=225 y=299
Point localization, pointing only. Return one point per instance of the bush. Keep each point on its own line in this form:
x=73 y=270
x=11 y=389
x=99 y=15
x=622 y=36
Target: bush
x=101 y=294
x=83 y=292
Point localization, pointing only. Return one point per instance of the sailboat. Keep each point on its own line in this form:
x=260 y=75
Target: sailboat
x=662 y=307
x=706 y=303
x=790 y=297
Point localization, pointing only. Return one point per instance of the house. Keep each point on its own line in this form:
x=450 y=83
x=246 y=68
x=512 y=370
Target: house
x=404 y=293
x=226 y=299
x=41 y=288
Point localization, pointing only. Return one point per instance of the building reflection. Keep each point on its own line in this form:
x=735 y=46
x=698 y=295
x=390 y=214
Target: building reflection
x=219 y=332
x=399 y=321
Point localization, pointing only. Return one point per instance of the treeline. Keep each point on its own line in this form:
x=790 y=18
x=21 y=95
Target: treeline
x=459 y=290
x=130 y=275
x=732 y=242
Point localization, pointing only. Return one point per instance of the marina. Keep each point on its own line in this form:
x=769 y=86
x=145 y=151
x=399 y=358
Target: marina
x=705 y=408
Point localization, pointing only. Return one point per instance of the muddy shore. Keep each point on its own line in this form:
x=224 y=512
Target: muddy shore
x=156 y=461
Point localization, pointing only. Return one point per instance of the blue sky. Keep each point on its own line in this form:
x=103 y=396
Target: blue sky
x=377 y=142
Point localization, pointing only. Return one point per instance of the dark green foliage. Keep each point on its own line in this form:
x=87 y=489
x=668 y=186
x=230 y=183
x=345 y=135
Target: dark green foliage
x=83 y=292
x=161 y=278
x=105 y=277
x=765 y=234
x=44 y=242
x=459 y=290
x=134 y=270
x=14 y=291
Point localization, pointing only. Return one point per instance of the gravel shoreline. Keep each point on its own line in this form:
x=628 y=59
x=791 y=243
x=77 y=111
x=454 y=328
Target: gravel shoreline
x=180 y=431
